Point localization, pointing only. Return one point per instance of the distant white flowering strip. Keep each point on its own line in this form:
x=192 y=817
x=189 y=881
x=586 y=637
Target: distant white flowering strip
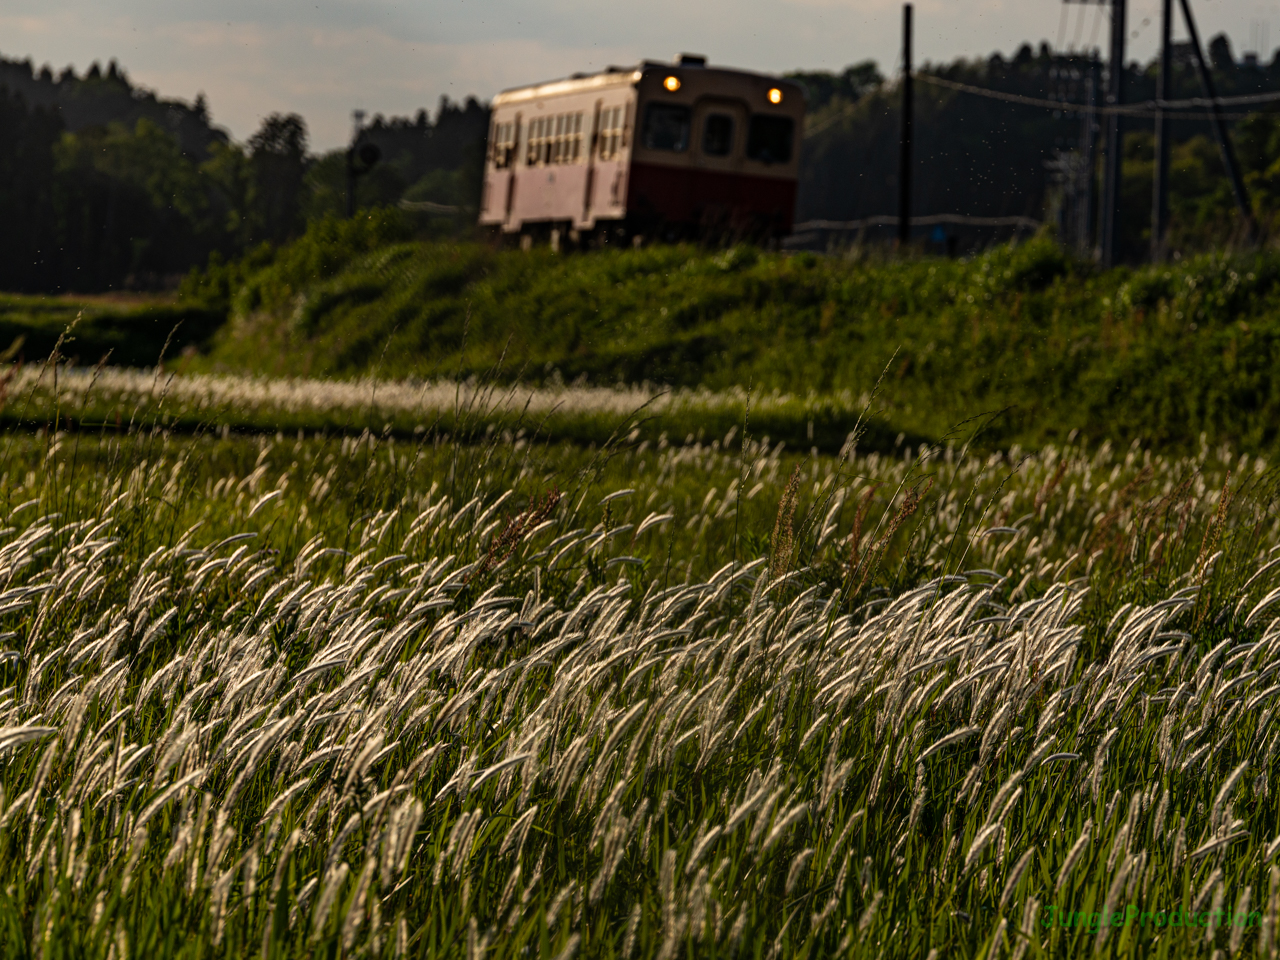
x=435 y=400
x=417 y=739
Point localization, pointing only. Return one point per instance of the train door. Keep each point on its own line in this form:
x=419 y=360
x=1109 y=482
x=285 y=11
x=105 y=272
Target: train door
x=512 y=163
x=593 y=137
x=719 y=139
x=606 y=186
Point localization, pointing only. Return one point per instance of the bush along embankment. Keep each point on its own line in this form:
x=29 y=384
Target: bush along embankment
x=1019 y=345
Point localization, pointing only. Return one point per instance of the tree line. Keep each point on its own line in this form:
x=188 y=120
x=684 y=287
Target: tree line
x=985 y=157
x=105 y=185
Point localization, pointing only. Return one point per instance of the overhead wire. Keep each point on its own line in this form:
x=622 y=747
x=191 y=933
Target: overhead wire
x=1097 y=23
x=1147 y=108
x=1075 y=43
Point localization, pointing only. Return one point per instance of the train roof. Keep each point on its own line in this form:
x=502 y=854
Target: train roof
x=613 y=77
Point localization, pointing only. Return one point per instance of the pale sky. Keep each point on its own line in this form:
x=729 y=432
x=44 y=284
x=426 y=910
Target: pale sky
x=324 y=58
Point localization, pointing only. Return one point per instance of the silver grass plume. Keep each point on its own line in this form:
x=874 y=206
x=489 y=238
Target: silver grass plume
x=332 y=886
x=1267 y=933
x=869 y=914
x=1073 y=856
x=1014 y=876
x=1237 y=927
x=1113 y=895
x=798 y=863
x=1215 y=817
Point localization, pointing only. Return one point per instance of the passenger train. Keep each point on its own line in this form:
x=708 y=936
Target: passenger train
x=661 y=150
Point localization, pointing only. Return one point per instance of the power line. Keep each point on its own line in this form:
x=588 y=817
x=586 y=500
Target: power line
x=1097 y=23
x=1075 y=43
x=1147 y=108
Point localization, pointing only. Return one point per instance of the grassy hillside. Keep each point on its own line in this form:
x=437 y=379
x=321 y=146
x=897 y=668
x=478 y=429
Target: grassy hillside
x=130 y=330
x=1161 y=353
x=1021 y=345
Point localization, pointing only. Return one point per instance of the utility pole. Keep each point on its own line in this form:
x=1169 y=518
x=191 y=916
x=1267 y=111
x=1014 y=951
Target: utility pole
x=1220 y=127
x=1086 y=192
x=1164 y=91
x=357 y=122
x=1115 y=98
x=366 y=154
x=904 y=158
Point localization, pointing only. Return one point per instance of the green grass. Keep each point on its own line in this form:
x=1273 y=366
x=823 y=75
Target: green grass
x=452 y=700
x=133 y=331
x=1049 y=346
x=58 y=396
x=1038 y=348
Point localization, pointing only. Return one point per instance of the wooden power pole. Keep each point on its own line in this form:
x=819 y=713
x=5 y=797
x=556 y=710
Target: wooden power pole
x=1220 y=127
x=1164 y=91
x=904 y=157
x=1114 y=156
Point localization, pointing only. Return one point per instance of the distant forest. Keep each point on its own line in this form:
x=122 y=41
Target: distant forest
x=113 y=187
x=104 y=185
x=985 y=157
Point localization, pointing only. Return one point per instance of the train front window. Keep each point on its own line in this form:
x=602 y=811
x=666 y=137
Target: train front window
x=769 y=139
x=717 y=135
x=666 y=127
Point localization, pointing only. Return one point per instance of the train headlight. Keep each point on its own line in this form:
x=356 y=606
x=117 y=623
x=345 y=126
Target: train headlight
x=775 y=95
x=672 y=83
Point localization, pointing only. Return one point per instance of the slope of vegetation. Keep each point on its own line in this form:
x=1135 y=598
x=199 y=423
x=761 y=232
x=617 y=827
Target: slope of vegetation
x=130 y=331
x=1161 y=353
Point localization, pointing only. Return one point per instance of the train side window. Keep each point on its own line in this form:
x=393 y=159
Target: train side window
x=769 y=138
x=504 y=147
x=717 y=135
x=608 y=145
x=666 y=127
x=534 y=147
x=615 y=130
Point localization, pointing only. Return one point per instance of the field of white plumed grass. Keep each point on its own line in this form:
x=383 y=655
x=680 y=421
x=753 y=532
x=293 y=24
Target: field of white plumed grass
x=369 y=696
x=119 y=398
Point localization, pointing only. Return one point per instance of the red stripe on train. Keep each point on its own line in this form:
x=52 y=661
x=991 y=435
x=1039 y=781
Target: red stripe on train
x=708 y=197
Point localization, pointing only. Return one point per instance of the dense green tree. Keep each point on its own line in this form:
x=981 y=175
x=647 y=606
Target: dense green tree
x=29 y=256
x=822 y=87
x=131 y=208
x=278 y=159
